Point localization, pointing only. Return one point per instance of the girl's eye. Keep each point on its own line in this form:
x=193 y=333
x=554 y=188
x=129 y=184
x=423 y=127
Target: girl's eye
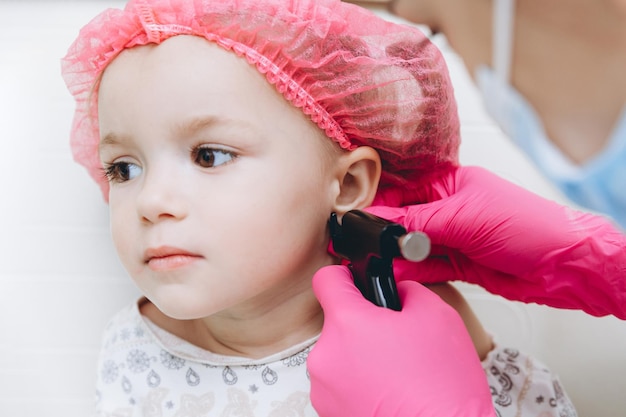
x=211 y=157
x=121 y=171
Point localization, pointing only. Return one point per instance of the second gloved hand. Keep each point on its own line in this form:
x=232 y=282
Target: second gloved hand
x=375 y=362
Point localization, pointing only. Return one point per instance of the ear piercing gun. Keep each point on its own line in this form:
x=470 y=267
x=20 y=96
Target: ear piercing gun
x=370 y=244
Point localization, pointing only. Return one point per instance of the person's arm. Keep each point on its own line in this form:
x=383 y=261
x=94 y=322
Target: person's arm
x=488 y=231
x=375 y=362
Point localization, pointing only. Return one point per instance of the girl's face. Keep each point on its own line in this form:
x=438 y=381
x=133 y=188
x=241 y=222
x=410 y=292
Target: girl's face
x=220 y=189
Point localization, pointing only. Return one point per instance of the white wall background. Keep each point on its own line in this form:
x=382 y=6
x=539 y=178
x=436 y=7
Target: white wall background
x=60 y=279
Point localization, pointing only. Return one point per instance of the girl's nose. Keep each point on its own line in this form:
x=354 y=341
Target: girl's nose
x=161 y=197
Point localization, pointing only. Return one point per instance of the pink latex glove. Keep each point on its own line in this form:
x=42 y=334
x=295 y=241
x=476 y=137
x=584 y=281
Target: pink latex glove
x=490 y=232
x=371 y=361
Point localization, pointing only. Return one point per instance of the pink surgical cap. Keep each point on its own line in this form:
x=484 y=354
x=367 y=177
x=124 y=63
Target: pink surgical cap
x=361 y=79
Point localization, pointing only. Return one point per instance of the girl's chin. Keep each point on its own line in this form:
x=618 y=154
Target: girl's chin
x=179 y=310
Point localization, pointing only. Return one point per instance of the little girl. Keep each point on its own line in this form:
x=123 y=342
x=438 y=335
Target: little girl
x=223 y=133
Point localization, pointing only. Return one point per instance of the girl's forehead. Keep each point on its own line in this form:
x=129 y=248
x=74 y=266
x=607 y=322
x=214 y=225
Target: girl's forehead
x=187 y=71
x=183 y=58
x=189 y=84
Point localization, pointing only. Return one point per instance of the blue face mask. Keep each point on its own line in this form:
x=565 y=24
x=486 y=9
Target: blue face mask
x=599 y=184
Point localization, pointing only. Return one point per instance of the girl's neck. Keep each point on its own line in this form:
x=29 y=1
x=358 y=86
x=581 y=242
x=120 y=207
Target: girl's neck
x=254 y=334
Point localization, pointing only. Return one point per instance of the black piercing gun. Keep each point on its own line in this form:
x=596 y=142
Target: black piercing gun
x=370 y=244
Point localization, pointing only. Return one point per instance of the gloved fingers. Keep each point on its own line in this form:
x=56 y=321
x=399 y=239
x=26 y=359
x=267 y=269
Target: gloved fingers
x=433 y=319
x=430 y=270
x=335 y=290
x=476 y=209
x=459 y=268
x=420 y=303
x=435 y=219
x=401 y=215
x=541 y=291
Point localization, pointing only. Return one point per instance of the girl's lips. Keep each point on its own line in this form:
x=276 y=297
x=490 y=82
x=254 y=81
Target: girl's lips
x=168 y=263
x=167 y=258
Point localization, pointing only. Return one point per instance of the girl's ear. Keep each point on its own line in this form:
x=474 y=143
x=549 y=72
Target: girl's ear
x=359 y=177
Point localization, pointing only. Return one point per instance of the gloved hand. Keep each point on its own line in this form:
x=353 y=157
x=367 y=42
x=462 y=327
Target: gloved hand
x=372 y=361
x=514 y=243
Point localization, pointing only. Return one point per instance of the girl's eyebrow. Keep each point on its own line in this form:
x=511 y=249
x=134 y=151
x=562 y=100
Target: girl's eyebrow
x=186 y=128
x=110 y=139
x=197 y=124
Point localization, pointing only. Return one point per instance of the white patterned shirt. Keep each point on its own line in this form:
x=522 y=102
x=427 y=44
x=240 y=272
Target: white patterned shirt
x=145 y=371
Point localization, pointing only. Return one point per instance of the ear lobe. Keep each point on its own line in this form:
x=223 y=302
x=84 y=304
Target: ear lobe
x=361 y=169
